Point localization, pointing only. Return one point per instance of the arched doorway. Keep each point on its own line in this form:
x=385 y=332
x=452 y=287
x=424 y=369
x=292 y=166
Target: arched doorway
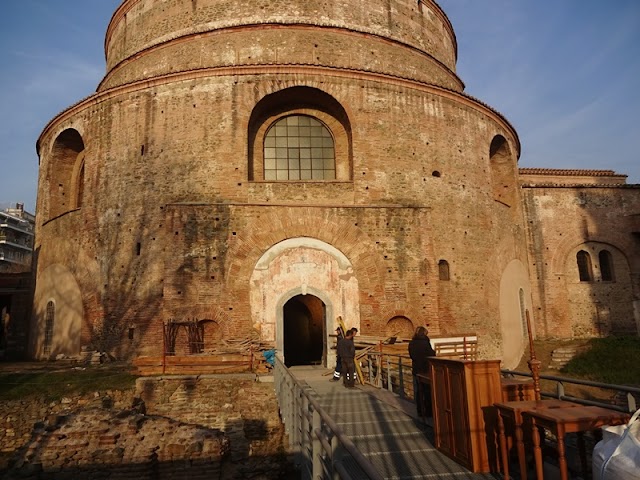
x=303 y=322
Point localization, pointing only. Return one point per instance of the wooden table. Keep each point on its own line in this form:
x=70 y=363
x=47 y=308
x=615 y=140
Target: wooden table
x=561 y=421
x=511 y=413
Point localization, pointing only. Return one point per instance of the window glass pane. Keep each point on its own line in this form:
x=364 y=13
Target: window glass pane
x=299 y=147
x=330 y=174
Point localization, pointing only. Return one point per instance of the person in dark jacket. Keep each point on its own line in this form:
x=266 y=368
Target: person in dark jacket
x=347 y=352
x=420 y=350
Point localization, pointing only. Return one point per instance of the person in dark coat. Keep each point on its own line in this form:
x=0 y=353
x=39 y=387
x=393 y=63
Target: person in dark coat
x=420 y=350
x=347 y=352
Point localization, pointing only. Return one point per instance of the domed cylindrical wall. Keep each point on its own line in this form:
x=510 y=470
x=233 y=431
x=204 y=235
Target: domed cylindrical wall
x=402 y=38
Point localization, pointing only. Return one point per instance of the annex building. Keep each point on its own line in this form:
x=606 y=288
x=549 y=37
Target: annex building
x=260 y=168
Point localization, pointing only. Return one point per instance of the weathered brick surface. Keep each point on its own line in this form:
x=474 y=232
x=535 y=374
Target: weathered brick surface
x=189 y=427
x=565 y=219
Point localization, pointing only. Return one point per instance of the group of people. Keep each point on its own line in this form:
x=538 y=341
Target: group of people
x=346 y=357
x=420 y=350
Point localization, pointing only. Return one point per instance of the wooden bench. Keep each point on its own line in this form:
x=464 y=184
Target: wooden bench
x=459 y=347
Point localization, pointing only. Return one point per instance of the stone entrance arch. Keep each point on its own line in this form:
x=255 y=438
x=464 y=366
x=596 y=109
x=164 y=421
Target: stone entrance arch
x=295 y=268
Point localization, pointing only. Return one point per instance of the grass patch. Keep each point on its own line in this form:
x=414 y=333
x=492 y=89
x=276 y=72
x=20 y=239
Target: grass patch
x=53 y=385
x=608 y=360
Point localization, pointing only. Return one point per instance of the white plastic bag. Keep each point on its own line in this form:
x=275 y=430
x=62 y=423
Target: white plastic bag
x=617 y=455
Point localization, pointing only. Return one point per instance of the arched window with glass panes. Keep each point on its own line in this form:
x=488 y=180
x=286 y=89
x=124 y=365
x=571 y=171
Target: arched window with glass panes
x=299 y=147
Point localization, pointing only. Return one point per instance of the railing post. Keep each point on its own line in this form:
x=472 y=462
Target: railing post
x=401 y=378
x=305 y=439
x=334 y=449
x=316 y=451
x=389 y=382
x=560 y=390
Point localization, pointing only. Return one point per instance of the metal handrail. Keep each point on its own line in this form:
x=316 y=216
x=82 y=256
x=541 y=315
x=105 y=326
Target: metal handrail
x=560 y=393
x=382 y=372
x=319 y=444
x=379 y=364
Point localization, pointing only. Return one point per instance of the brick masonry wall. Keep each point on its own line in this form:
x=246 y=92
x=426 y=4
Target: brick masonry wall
x=163 y=145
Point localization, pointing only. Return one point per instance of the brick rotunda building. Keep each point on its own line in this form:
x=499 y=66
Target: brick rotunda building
x=262 y=168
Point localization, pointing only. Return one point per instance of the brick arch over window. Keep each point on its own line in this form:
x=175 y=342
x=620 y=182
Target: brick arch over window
x=67 y=155
x=502 y=164
x=299 y=102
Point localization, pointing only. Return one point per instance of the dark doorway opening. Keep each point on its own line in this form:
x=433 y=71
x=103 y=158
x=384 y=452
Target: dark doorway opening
x=304 y=331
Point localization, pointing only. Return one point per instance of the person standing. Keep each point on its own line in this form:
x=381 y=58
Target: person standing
x=338 y=371
x=347 y=352
x=420 y=350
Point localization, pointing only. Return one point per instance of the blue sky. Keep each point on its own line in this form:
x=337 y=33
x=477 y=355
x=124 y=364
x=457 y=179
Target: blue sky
x=565 y=73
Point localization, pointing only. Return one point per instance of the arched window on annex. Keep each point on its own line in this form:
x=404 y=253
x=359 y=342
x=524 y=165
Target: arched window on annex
x=585 y=268
x=503 y=178
x=605 y=259
x=299 y=134
x=66 y=173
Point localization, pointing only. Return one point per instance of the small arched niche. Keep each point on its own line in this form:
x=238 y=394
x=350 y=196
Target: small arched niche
x=65 y=171
x=503 y=178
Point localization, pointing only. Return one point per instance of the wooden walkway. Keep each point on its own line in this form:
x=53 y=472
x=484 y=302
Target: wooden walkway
x=385 y=429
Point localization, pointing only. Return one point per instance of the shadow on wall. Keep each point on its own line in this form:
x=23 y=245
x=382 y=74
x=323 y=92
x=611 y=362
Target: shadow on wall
x=110 y=302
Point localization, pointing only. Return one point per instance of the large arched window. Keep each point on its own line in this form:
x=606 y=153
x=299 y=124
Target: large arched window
x=299 y=134
x=606 y=266
x=585 y=271
x=299 y=147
